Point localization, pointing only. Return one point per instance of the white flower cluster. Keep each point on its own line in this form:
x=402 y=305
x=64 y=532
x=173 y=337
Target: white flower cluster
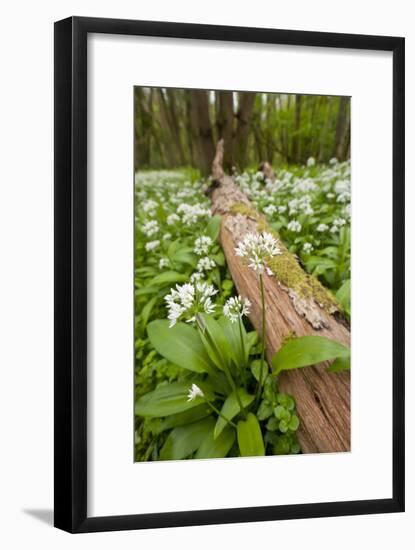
x=308 y=247
x=152 y=245
x=202 y=245
x=149 y=207
x=150 y=228
x=191 y=213
x=257 y=248
x=322 y=227
x=189 y=299
x=205 y=264
x=294 y=226
x=236 y=307
x=172 y=219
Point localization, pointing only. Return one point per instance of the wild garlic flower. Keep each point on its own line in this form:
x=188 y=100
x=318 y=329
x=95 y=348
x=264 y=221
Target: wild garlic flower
x=205 y=264
x=322 y=227
x=202 y=245
x=152 y=245
x=307 y=248
x=311 y=162
x=185 y=301
x=192 y=212
x=270 y=209
x=194 y=392
x=257 y=248
x=236 y=307
x=149 y=207
x=294 y=226
x=172 y=219
x=196 y=276
x=164 y=262
x=150 y=228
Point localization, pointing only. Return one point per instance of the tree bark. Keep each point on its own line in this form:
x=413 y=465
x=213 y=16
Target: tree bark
x=342 y=126
x=224 y=126
x=174 y=123
x=200 y=101
x=297 y=129
x=323 y=399
x=245 y=108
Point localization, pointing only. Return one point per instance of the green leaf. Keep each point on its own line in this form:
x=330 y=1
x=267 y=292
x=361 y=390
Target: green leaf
x=294 y=423
x=257 y=371
x=231 y=408
x=180 y=344
x=264 y=411
x=166 y=400
x=185 y=417
x=146 y=311
x=340 y=364
x=216 y=447
x=185 y=256
x=185 y=440
x=214 y=341
x=250 y=437
x=343 y=295
x=237 y=349
x=168 y=278
x=305 y=351
x=213 y=227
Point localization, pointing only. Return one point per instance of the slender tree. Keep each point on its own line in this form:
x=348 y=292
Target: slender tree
x=200 y=106
x=224 y=125
x=246 y=102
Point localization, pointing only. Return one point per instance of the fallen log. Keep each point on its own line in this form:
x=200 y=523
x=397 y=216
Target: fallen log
x=296 y=304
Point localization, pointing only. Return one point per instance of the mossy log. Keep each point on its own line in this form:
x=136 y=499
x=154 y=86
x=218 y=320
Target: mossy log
x=296 y=304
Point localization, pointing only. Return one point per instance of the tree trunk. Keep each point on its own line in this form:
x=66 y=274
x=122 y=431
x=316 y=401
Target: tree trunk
x=200 y=106
x=245 y=108
x=342 y=126
x=297 y=129
x=224 y=126
x=175 y=126
x=323 y=399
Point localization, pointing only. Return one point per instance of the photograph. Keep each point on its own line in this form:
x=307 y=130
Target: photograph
x=242 y=273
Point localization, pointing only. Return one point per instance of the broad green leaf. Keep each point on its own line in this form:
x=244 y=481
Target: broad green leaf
x=185 y=417
x=340 y=364
x=180 y=344
x=216 y=447
x=168 y=399
x=305 y=351
x=238 y=346
x=250 y=437
x=214 y=340
x=167 y=278
x=213 y=227
x=320 y=263
x=257 y=371
x=343 y=295
x=146 y=311
x=231 y=408
x=184 y=256
x=185 y=440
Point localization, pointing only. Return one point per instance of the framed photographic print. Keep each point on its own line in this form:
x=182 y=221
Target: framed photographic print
x=229 y=274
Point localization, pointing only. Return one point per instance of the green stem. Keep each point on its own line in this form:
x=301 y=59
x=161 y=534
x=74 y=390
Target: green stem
x=217 y=411
x=260 y=382
x=243 y=352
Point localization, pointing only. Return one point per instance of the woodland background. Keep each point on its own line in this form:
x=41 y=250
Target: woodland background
x=177 y=127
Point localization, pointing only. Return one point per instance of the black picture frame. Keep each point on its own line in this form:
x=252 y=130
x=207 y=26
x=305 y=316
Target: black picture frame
x=70 y=173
